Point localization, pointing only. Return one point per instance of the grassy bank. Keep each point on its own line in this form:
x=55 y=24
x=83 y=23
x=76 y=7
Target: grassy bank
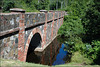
x=77 y=61
x=80 y=59
x=5 y=62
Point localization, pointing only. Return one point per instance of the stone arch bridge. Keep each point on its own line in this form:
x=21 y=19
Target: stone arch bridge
x=21 y=32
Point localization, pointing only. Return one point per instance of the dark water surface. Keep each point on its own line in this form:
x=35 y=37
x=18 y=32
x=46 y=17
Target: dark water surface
x=54 y=54
x=60 y=56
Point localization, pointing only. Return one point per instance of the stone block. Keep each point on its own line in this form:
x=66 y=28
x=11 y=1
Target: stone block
x=16 y=40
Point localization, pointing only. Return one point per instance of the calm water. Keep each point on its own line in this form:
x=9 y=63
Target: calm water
x=54 y=54
x=60 y=56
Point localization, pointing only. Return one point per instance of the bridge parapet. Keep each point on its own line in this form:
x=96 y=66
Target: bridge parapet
x=9 y=22
x=32 y=19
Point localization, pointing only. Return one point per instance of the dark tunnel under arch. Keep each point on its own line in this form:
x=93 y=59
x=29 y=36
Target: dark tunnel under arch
x=34 y=43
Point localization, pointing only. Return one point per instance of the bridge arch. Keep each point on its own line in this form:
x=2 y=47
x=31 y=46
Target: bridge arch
x=35 y=39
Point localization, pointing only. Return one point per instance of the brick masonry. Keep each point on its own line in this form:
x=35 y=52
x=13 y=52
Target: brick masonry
x=17 y=30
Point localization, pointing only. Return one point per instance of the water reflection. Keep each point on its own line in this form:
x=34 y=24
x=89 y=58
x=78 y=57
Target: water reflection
x=54 y=54
x=60 y=57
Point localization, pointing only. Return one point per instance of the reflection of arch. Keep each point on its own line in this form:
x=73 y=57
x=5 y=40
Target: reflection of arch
x=35 y=32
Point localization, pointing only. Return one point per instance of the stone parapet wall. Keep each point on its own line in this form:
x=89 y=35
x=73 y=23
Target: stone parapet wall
x=9 y=22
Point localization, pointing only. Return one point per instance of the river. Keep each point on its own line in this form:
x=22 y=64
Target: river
x=54 y=54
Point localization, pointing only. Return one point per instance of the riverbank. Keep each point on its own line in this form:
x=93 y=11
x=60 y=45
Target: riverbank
x=78 y=58
x=8 y=63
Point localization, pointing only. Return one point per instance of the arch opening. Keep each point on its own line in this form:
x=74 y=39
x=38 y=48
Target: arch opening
x=34 y=43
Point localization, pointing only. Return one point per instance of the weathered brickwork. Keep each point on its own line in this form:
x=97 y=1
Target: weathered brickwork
x=49 y=16
x=56 y=15
x=54 y=28
x=9 y=47
x=18 y=28
x=9 y=21
x=48 y=39
x=34 y=18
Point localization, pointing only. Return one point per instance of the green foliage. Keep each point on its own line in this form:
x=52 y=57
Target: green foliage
x=1 y=3
x=42 y=5
x=74 y=45
x=91 y=22
x=55 y=5
x=71 y=27
x=28 y=5
x=8 y=5
x=92 y=51
x=79 y=58
x=52 y=5
x=81 y=27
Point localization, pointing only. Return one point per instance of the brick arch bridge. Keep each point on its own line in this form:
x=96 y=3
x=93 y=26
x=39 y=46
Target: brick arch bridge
x=18 y=28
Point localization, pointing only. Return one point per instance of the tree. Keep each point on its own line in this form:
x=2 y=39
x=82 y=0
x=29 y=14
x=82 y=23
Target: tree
x=91 y=21
x=1 y=3
x=8 y=4
x=42 y=4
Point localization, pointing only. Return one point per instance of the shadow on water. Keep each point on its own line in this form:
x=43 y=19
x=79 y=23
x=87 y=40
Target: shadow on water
x=54 y=54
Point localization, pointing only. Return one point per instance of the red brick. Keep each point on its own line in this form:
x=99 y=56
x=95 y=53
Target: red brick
x=23 y=15
x=21 y=38
x=52 y=26
x=28 y=41
x=45 y=28
x=57 y=23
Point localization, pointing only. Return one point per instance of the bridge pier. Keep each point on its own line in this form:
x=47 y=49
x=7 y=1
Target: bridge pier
x=45 y=29
x=21 y=34
x=21 y=38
